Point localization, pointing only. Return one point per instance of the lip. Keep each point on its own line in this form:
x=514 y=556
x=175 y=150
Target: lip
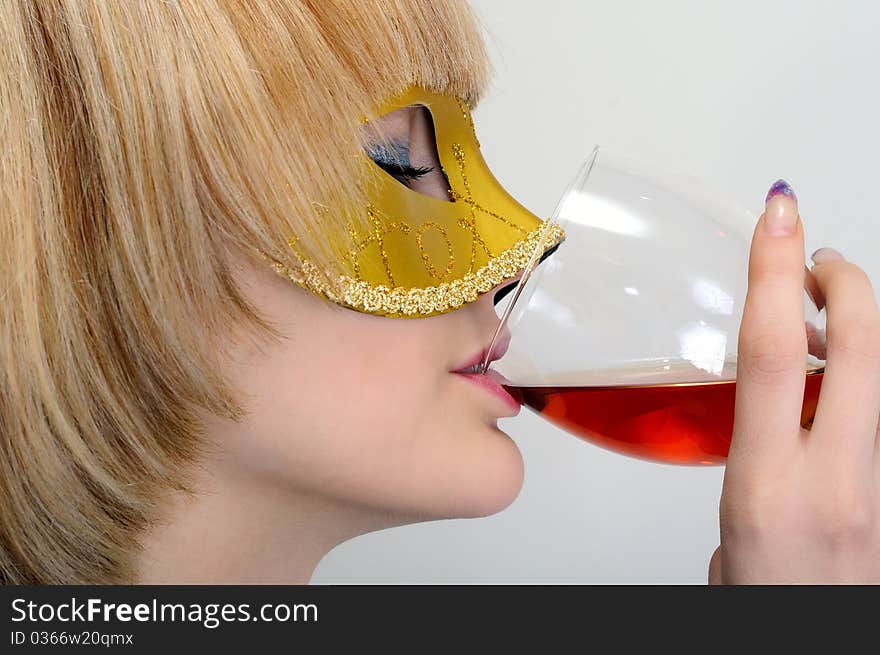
x=497 y=352
x=492 y=382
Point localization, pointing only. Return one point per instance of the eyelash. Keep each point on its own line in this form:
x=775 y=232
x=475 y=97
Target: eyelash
x=396 y=163
x=404 y=172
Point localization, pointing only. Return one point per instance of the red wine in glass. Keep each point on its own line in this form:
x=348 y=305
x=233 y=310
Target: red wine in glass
x=683 y=423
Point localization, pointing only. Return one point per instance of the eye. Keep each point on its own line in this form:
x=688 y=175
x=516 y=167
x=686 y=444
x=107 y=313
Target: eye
x=403 y=144
x=394 y=160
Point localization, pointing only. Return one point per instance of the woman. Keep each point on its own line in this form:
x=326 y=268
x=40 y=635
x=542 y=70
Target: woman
x=250 y=248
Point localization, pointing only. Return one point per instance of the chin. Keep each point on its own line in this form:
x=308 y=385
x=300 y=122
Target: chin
x=495 y=479
x=480 y=475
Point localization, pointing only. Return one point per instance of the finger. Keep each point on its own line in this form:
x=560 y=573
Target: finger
x=815 y=336
x=715 y=567
x=845 y=425
x=772 y=349
x=812 y=288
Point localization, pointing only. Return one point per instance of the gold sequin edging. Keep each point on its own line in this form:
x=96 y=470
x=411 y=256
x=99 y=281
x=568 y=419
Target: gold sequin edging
x=424 y=301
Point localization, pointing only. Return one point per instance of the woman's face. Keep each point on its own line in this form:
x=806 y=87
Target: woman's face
x=367 y=409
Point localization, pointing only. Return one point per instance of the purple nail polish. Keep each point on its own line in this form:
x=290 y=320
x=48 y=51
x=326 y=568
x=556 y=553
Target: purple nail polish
x=780 y=186
x=823 y=255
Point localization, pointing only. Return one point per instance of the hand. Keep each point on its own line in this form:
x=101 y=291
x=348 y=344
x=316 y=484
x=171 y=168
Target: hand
x=802 y=505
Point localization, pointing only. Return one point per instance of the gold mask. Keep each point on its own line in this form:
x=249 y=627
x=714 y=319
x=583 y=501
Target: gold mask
x=428 y=256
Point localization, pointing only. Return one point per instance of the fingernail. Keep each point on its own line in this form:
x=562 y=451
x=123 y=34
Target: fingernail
x=823 y=255
x=781 y=210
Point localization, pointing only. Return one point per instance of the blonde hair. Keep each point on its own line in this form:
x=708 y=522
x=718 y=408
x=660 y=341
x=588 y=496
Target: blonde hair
x=137 y=138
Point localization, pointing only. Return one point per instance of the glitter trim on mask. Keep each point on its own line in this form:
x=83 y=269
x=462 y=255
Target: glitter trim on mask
x=402 y=302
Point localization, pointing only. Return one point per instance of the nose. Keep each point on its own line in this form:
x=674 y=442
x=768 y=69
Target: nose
x=507 y=286
x=494 y=296
x=492 y=316
x=489 y=316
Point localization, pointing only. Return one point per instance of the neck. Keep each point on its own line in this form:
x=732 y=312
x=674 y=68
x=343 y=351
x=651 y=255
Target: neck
x=238 y=530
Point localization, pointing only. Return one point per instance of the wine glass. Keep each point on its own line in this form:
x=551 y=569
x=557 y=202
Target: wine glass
x=626 y=334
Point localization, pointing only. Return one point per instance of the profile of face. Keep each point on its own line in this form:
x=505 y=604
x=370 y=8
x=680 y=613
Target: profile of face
x=363 y=409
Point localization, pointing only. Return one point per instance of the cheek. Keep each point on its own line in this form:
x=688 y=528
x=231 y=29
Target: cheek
x=378 y=421
x=411 y=442
x=337 y=414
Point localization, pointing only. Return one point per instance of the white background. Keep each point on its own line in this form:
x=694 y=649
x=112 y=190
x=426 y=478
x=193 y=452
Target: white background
x=738 y=93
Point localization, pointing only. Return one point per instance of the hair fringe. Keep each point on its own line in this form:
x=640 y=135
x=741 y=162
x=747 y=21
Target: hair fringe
x=139 y=140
